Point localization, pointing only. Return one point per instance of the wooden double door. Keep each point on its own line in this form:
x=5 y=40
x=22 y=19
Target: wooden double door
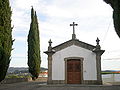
x=73 y=71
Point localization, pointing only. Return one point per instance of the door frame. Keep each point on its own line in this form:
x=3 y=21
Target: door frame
x=81 y=64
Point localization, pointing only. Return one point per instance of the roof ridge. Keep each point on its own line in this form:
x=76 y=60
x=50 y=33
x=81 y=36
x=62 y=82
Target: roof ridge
x=73 y=42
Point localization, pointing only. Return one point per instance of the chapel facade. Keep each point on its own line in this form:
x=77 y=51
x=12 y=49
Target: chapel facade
x=74 y=62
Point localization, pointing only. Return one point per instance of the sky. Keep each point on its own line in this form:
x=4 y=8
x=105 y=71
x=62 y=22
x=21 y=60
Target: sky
x=94 y=19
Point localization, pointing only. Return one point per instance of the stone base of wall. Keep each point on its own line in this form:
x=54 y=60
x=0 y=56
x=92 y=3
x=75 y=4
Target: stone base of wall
x=57 y=82
x=85 y=82
x=92 y=82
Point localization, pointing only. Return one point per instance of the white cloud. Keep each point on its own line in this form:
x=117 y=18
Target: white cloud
x=78 y=8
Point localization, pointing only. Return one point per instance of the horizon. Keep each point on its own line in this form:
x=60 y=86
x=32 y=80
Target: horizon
x=47 y=68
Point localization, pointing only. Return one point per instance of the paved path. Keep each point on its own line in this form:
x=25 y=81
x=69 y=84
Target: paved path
x=39 y=86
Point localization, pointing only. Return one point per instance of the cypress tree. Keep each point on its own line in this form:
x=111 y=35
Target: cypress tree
x=34 y=59
x=5 y=37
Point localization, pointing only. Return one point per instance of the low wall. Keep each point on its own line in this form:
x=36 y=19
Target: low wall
x=41 y=79
x=16 y=80
x=111 y=78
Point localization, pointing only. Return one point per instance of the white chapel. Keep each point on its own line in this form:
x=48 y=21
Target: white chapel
x=74 y=62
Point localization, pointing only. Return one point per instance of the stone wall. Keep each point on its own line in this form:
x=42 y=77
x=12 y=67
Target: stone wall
x=16 y=80
x=42 y=79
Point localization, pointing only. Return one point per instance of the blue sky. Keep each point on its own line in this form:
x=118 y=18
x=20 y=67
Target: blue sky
x=94 y=19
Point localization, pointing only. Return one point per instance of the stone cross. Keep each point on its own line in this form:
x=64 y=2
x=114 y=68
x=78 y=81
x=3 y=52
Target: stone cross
x=73 y=27
x=73 y=35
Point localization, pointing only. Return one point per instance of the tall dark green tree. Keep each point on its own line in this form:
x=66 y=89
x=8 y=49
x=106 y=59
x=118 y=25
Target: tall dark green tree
x=5 y=37
x=115 y=4
x=34 y=59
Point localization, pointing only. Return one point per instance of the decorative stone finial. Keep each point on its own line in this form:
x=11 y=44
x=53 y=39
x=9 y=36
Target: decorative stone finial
x=50 y=42
x=50 y=45
x=98 y=46
x=50 y=51
x=97 y=41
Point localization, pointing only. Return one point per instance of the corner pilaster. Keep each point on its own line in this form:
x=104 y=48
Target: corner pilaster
x=98 y=52
x=50 y=52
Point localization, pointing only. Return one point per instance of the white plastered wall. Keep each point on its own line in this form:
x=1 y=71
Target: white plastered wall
x=89 y=62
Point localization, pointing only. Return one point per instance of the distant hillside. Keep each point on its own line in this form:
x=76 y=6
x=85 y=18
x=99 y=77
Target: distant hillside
x=22 y=69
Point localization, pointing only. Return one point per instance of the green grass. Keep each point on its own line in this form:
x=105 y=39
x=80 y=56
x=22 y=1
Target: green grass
x=109 y=73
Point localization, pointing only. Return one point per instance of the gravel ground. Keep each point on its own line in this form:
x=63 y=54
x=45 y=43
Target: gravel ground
x=44 y=86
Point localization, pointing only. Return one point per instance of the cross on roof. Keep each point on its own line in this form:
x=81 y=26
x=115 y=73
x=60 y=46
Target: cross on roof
x=73 y=35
